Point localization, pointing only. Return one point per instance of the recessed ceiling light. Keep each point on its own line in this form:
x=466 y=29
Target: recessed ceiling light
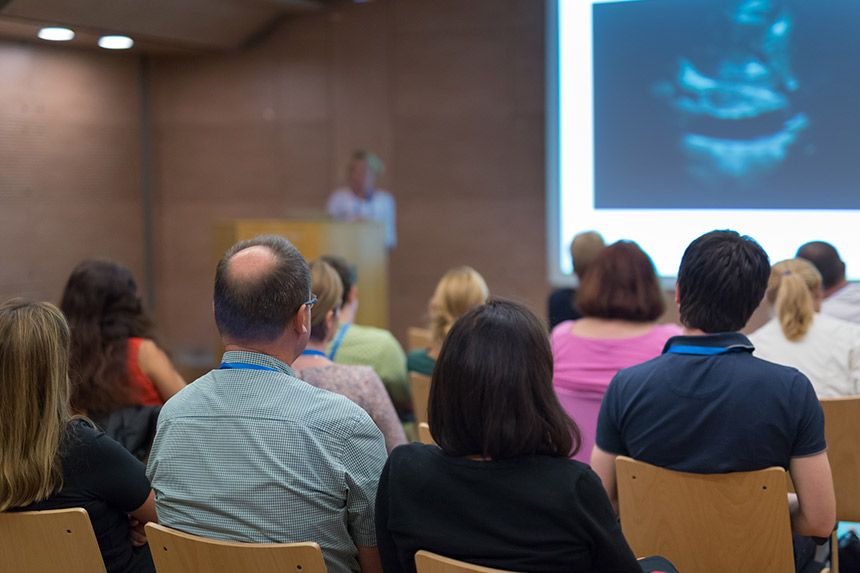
x=56 y=34
x=116 y=42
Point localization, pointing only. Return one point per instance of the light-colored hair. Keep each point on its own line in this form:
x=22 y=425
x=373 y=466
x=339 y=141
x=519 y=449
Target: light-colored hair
x=789 y=290
x=34 y=396
x=328 y=288
x=460 y=290
x=372 y=160
x=584 y=249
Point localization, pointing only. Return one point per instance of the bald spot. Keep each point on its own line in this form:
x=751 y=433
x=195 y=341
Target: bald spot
x=250 y=265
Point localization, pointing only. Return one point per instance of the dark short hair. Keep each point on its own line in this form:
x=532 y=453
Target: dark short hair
x=826 y=259
x=621 y=283
x=722 y=280
x=346 y=272
x=258 y=310
x=491 y=393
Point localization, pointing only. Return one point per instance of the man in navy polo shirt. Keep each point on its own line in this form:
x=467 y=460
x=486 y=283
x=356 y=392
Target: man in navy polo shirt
x=707 y=405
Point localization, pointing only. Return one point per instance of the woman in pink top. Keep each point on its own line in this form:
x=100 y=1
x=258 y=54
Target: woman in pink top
x=620 y=298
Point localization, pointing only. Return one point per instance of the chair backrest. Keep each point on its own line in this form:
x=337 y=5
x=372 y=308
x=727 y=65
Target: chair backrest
x=50 y=540
x=418 y=338
x=420 y=387
x=424 y=435
x=177 y=552
x=717 y=522
x=842 y=431
x=426 y=562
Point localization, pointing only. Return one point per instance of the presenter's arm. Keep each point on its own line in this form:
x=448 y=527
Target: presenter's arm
x=813 y=509
x=368 y=559
x=158 y=368
x=603 y=464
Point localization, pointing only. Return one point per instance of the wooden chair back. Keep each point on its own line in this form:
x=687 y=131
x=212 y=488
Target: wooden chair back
x=177 y=552
x=418 y=338
x=842 y=431
x=47 y=541
x=424 y=435
x=426 y=562
x=419 y=384
x=723 y=522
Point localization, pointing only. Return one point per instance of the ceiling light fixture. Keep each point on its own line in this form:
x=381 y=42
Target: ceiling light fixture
x=116 y=42
x=56 y=34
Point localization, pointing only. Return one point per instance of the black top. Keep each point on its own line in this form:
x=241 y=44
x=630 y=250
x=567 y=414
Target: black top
x=107 y=481
x=562 y=306
x=534 y=514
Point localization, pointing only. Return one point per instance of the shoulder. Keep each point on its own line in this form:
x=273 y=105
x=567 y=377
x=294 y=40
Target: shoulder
x=667 y=330
x=380 y=338
x=383 y=196
x=562 y=329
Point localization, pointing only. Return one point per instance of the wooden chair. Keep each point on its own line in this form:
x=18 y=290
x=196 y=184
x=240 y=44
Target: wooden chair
x=420 y=387
x=418 y=338
x=424 y=435
x=426 y=562
x=177 y=552
x=842 y=431
x=49 y=541
x=723 y=522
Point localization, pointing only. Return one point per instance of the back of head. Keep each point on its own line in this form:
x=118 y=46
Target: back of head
x=621 y=284
x=790 y=289
x=327 y=288
x=722 y=280
x=346 y=272
x=826 y=259
x=491 y=394
x=583 y=250
x=255 y=300
x=34 y=392
x=460 y=290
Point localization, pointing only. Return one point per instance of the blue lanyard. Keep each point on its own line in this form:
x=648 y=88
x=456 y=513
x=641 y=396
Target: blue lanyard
x=313 y=353
x=338 y=340
x=244 y=365
x=703 y=350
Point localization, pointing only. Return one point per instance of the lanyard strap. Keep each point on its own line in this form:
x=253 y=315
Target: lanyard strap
x=703 y=350
x=338 y=340
x=244 y=365
x=313 y=353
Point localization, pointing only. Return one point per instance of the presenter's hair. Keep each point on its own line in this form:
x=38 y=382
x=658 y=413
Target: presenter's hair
x=722 y=280
x=327 y=287
x=491 y=393
x=371 y=159
x=257 y=309
x=621 y=283
x=346 y=272
x=826 y=259
x=790 y=289
x=459 y=290
x=583 y=250
x=103 y=309
x=34 y=394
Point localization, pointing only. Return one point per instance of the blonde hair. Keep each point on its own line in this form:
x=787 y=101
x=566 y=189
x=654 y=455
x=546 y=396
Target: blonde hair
x=460 y=290
x=584 y=249
x=789 y=290
x=328 y=288
x=34 y=397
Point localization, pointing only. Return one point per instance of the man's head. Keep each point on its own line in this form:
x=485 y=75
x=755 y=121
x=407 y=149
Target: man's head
x=363 y=169
x=722 y=280
x=583 y=250
x=826 y=259
x=261 y=287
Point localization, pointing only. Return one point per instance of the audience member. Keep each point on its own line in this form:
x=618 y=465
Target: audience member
x=841 y=298
x=359 y=345
x=707 y=405
x=562 y=302
x=824 y=348
x=250 y=453
x=115 y=363
x=50 y=461
x=499 y=490
x=360 y=199
x=358 y=383
x=621 y=298
x=460 y=290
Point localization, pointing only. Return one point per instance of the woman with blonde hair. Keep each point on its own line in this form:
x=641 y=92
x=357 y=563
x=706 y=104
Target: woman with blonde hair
x=460 y=290
x=825 y=348
x=358 y=383
x=49 y=460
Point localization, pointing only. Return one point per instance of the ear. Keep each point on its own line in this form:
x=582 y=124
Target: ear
x=677 y=295
x=300 y=323
x=331 y=321
x=353 y=294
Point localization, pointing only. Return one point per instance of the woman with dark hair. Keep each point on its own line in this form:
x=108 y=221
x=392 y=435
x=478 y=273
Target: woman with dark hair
x=115 y=363
x=620 y=299
x=499 y=490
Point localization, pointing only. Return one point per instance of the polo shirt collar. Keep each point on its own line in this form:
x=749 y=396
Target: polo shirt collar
x=258 y=359
x=734 y=340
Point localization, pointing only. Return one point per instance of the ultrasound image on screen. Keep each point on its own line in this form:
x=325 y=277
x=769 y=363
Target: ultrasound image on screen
x=740 y=104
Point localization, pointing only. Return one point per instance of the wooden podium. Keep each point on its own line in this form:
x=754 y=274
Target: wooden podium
x=361 y=243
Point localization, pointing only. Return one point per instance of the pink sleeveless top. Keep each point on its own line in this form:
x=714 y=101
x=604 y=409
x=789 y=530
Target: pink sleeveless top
x=141 y=385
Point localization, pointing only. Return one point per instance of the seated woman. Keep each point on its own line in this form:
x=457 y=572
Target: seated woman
x=512 y=497
x=115 y=362
x=358 y=383
x=50 y=461
x=620 y=298
x=460 y=290
x=825 y=348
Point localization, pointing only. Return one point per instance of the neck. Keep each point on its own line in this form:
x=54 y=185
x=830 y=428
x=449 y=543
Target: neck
x=835 y=287
x=285 y=356
x=360 y=192
x=318 y=345
x=310 y=360
x=693 y=332
x=347 y=314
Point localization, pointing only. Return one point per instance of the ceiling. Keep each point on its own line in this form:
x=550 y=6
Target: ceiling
x=155 y=25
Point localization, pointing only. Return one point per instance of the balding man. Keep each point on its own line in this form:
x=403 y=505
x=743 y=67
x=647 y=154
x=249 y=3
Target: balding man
x=250 y=453
x=841 y=298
